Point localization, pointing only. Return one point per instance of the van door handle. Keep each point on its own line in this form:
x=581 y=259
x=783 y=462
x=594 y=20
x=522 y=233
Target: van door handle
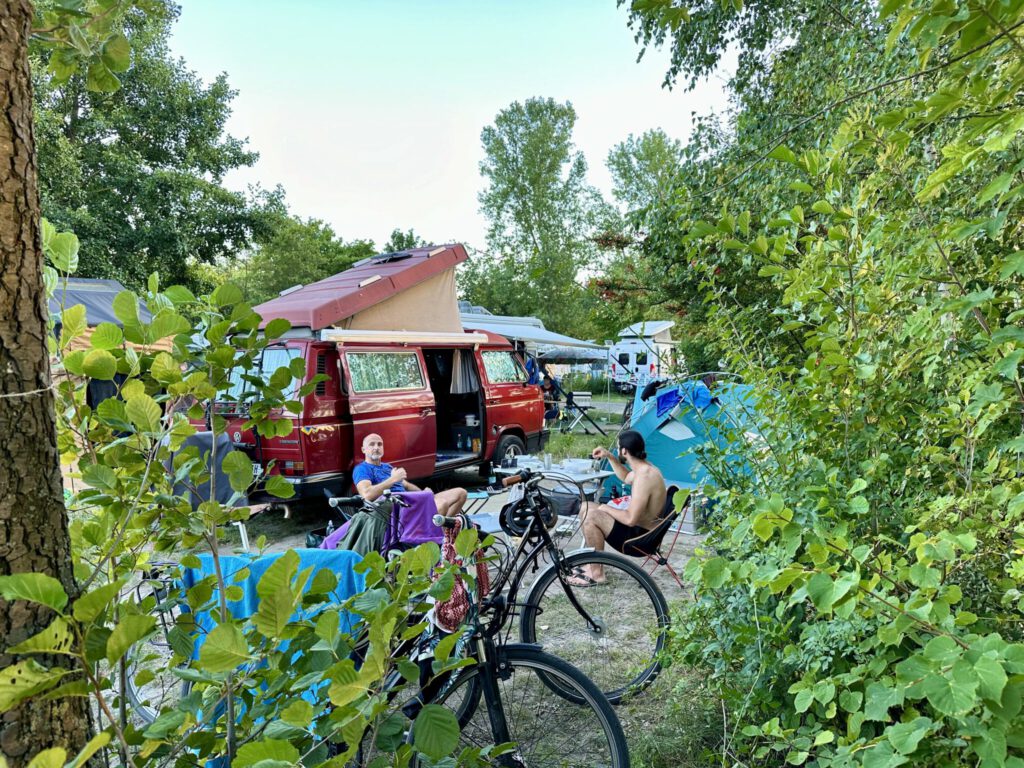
x=426 y=411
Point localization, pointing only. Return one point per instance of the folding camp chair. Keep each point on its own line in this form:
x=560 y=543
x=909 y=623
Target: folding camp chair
x=649 y=544
x=576 y=406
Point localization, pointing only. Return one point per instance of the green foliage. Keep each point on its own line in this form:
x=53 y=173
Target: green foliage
x=296 y=252
x=288 y=671
x=149 y=143
x=859 y=594
x=541 y=214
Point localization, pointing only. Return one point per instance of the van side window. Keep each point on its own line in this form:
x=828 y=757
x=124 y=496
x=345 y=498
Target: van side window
x=641 y=358
x=503 y=368
x=624 y=358
x=272 y=359
x=376 y=371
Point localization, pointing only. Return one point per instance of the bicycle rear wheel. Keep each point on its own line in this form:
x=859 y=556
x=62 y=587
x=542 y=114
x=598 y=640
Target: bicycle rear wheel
x=150 y=683
x=547 y=729
x=631 y=614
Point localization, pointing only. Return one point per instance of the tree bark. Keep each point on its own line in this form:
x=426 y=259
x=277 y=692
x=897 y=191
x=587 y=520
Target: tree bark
x=33 y=520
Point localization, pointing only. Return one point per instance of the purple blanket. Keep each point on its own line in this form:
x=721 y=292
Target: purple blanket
x=411 y=526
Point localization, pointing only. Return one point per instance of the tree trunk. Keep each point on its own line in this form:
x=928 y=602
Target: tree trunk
x=33 y=521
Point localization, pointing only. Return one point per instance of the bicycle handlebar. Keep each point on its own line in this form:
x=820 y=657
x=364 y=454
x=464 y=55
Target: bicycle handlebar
x=345 y=501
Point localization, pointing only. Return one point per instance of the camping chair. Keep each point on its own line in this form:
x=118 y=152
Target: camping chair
x=576 y=406
x=648 y=545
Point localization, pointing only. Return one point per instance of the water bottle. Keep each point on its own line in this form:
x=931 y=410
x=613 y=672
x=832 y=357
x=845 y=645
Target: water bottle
x=330 y=527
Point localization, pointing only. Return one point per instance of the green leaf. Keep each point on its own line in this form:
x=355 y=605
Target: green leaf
x=96 y=743
x=1012 y=265
x=277 y=598
x=117 y=53
x=435 y=732
x=165 y=369
x=227 y=294
x=991 y=678
x=224 y=650
x=715 y=572
x=905 y=737
x=277 y=486
x=99 y=476
x=952 y=693
x=24 y=679
x=126 y=308
x=995 y=187
x=34 y=588
x=63 y=252
x=878 y=698
x=267 y=750
x=783 y=154
x=796 y=213
x=128 y=631
x=179 y=294
x=100 y=78
x=56 y=638
x=823 y=207
x=821 y=590
x=92 y=604
x=299 y=713
x=99 y=364
x=881 y=756
x=106 y=336
x=276 y=328
x=72 y=324
x=143 y=411
x=54 y=757
x=238 y=467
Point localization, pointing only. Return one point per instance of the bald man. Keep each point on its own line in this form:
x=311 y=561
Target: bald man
x=373 y=476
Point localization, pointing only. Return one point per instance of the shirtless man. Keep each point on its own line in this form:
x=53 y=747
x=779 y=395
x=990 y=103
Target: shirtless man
x=623 y=519
x=372 y=477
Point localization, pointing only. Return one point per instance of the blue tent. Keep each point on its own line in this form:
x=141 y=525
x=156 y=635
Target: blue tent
x=681 y=418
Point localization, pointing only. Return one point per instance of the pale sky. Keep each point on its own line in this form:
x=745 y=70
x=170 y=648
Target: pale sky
x=369 y=112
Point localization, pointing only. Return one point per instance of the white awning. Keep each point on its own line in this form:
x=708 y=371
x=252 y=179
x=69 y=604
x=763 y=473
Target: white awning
x=526 y=329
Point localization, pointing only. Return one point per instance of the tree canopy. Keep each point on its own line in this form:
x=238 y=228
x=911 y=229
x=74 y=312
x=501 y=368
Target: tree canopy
x=137 y=171
x=541 y=214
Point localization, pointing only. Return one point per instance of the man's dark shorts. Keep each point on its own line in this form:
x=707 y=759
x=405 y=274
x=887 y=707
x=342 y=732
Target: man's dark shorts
x=621 y=533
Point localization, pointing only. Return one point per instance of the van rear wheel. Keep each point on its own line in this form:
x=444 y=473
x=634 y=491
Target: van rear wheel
x=508 y=447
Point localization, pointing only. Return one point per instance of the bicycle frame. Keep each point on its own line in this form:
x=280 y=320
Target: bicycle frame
x=514 y=576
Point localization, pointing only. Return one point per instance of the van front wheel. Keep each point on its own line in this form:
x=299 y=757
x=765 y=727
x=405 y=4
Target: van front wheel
x=508 y=447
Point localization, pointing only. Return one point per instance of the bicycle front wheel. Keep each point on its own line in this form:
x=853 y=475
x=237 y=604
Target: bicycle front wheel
x=546 y=728
x=629 y=619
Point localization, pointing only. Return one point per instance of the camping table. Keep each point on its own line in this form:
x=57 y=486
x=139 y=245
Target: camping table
x=583 y=478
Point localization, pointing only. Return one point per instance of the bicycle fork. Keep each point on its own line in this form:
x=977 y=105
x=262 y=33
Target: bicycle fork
x=493 y=669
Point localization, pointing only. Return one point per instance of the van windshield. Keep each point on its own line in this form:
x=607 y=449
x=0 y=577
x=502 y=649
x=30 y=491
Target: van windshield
x=272 y=359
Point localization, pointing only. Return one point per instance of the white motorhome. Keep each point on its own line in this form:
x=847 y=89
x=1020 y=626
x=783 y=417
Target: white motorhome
x=644 y=351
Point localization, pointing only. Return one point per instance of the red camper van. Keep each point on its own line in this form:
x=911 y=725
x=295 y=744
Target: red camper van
x=387 y=335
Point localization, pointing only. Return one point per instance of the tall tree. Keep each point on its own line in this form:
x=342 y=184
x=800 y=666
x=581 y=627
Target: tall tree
x=137 y=172
x=33 y=522
x=541 y=213
x=644 y=169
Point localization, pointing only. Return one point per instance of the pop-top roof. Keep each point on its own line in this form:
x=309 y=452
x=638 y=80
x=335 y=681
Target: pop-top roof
x=366 y=284
x=646 y=328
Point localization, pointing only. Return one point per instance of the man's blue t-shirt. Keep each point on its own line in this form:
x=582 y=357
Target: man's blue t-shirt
x=375 y=473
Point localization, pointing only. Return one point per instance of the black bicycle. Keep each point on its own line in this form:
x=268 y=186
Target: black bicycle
x=544 y=711
x=613 y=630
